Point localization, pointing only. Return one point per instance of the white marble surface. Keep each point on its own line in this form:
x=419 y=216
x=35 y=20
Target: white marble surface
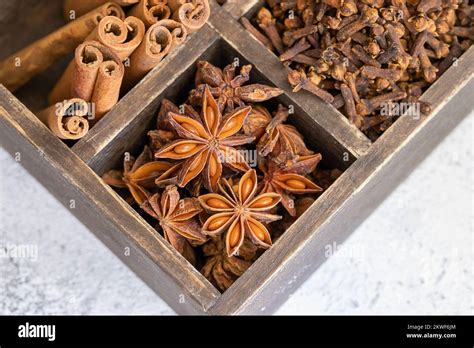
x=414 y=255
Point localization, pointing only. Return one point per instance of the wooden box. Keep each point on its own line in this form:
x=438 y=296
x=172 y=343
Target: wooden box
x=371 y=170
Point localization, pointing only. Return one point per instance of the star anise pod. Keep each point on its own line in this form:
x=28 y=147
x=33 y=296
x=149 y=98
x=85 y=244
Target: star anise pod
x=164 y=130
x=257 y=121
x=138 y=175
x=282 y=142
x=288 y=180
x=158 y=138
x=228 y=88
x=177 y=217
x=206 y=145
x=240 y=213
x=222 y=270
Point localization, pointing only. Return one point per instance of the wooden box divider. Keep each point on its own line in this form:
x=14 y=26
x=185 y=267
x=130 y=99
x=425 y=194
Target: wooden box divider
x=371 y=170
x=239 y=8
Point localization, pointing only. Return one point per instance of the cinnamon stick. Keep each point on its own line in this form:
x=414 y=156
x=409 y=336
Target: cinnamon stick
x=150 y=11
x=95 y=75
x=107 y=88
x=75 y=8
x=21 y=66
x=155 y=45
x=122 y=36
x=193 y=14
x=67 y=120
x=178 y=31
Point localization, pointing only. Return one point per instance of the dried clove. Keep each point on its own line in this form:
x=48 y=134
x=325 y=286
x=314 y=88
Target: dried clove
x=362 y=56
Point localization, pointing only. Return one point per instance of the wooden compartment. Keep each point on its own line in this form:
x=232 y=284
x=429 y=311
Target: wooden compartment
x=371 y=170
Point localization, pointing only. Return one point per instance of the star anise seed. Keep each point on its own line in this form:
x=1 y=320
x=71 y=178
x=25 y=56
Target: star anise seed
x=257 y=121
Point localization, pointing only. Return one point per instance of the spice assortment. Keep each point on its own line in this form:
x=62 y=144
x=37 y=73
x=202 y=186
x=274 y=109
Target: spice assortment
x=115 y=45
x=371 y=59
x=279 y=155
x=195 y=176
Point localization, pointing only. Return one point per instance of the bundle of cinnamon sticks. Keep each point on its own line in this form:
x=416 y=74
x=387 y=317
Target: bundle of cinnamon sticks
x=115 y=44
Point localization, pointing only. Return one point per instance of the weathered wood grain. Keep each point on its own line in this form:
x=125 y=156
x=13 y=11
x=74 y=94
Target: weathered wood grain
x=301 y=249
x=106 y=214
x=239 y=8
x=329 y=122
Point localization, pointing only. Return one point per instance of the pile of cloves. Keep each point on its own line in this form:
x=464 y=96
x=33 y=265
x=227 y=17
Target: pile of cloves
x=371 y=59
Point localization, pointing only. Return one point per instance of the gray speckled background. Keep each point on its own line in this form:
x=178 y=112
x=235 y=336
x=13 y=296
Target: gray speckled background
x=414 y=255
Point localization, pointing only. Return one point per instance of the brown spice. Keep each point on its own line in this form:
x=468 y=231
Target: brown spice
x=177 y=218
x=138 y=175
x=348 y=52
x=206 y=146
x=289 y=179
x=207 y=201
x=222 y=270
x=240 y=213
x=281 y=142
x=228 y=87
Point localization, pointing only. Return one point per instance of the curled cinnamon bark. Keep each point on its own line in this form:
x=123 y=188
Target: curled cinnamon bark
x=21 y=66
x=155 y=45
x=178 y=31
x=95 y=75
x=76 y=8
x=192 y=13
x=151 y=11
x=81 y=77
x=67 y=119
x=107 y=88
x=123 y=37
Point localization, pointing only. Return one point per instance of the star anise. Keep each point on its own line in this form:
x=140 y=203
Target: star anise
x=222 y=270
x=228 y=87
x=165 y=132
x=158 y=138
x=240 y=213
x=138 y=175
x=257 y=121
x=177 y=217
x=205 y=146
x=282 y=142
x=289 y=179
